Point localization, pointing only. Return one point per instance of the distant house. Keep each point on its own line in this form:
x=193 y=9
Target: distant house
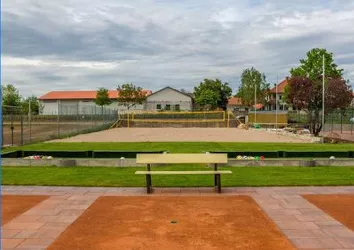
x=275 y=96
x=169 y=99
x=235 y=104
x=79 y=102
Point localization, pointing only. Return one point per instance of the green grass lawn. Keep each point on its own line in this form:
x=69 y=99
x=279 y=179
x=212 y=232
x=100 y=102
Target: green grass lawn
x=187 y=147
x=125 y=177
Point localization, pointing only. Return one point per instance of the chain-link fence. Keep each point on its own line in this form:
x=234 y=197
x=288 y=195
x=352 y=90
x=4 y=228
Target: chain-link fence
x=19 y=128
x=338 y=121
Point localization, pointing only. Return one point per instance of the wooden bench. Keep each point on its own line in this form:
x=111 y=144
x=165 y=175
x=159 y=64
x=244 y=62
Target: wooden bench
x=214 y=159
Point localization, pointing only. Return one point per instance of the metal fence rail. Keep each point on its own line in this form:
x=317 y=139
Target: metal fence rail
x=19 y=128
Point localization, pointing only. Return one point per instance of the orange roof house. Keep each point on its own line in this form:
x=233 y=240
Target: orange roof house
x=280 y=87
x=80 y=95
x=235 y=101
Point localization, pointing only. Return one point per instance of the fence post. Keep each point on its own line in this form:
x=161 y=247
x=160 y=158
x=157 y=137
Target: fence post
x=77 y=117
x=21 y=130
x=341 y=122
x=12 y=128
x=30 y=122
x=58 y=120
x=351 y=125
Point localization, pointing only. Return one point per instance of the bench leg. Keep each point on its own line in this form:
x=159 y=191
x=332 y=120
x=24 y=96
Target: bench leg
x=218 y=182
x=215 y=179
x=148 y=184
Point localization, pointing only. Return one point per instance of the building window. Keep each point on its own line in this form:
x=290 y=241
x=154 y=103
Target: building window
x=158 y=106
x=177 y=107
x=168 y=107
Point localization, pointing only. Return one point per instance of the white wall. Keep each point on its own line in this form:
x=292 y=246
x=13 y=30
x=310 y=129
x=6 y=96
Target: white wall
x=168 y=97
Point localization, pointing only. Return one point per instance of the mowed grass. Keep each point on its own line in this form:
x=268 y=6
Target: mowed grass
x=125 y=177
x=187 y=147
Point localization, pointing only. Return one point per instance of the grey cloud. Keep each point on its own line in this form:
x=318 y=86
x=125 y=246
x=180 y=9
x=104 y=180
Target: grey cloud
x=159 y=43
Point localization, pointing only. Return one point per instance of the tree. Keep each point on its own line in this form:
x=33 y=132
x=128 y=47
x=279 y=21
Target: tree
x=312 y=66
x=251 y=79
x=212 y=93
x=304 y=91
x=36 y=105
x=102 y=98
x=10 y=96
x=130 y=95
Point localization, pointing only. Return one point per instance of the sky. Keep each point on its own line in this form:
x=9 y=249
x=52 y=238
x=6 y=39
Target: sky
x=52 y=45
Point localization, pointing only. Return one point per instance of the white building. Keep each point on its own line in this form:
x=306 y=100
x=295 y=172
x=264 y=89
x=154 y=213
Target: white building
x=169 y=99
x=80 y=102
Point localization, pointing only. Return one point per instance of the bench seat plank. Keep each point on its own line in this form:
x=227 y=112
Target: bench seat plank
x=183 y=172
x=181 y=158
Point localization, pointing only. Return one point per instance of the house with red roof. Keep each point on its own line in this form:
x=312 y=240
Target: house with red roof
x=275 y=96
x=80 y=102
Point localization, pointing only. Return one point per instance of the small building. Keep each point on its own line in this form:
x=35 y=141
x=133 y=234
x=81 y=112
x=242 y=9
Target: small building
x=169 y=99
x=80 y=103
x=235 y=104
x=275 y=96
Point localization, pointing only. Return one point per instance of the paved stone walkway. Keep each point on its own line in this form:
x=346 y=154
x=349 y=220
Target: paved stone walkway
x=306 y=226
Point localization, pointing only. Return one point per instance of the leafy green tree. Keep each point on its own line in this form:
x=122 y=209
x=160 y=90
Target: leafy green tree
x=212 y=93
x=305 y=88
x=10 y=96
x=131 y=95
x=102 y=98
x=36 y=106
x=312 y=66
x=252 y=79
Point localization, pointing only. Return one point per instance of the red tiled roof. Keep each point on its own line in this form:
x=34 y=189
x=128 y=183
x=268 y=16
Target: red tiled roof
x=281 y=87
x=80 y=95
x=235 y=101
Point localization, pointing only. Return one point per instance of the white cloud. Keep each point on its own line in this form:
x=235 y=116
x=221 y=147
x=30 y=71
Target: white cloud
x=85 y=44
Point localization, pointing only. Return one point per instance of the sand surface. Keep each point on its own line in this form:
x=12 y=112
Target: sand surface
x=182 y=134
x=173 y=223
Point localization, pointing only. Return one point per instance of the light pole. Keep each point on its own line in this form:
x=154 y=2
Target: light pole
x=255 y=102
x=323 y=99
x=276 y=107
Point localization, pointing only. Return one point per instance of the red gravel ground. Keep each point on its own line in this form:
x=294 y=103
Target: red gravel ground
x=340 y=207
x=15 y=205
x=173 y=223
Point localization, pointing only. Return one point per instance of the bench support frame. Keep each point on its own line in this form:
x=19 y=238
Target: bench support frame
x=217 y=180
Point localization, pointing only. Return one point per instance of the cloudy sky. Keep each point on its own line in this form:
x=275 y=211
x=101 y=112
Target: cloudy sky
x=82 y=44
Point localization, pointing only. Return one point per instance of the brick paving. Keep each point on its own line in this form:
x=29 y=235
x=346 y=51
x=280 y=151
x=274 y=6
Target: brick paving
x=305 y=225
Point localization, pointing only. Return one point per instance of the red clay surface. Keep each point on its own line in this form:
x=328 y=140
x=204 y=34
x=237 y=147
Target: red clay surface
x=340 y=207
x=145 y=223
x=15 y=205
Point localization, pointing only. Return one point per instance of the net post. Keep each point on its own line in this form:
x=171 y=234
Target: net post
x=228 y=119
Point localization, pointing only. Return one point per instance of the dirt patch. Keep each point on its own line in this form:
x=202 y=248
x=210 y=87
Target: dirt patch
x=15 y=205
x=173 y=223
x=182 y=134
x=340 y=207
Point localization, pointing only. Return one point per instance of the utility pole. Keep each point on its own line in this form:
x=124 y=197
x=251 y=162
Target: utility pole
x=323 y=99
x=255 y=102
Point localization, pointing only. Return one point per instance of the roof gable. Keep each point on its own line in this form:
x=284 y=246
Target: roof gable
x=172 y=90
x=280 y=87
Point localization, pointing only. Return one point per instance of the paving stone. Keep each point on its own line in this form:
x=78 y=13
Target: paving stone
x=59 y=218
x=296 y=225
x=339 y=231
x=299 y=233
x=330 y=243
x=23 y=225
x=10 y=243
x=9 y=233
x=35 y=243
x=311 y=243
x=346 y=242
